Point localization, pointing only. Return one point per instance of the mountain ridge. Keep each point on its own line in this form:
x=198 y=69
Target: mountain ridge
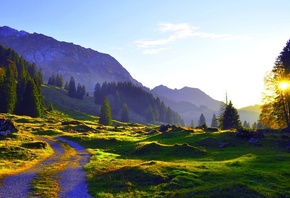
x=187 y=94
x=86 y=65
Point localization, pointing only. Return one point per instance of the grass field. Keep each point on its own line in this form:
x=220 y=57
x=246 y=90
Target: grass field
x=134 y=160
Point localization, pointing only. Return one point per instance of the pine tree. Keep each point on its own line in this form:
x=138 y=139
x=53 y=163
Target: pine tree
x=230 y=117
x=214 y=122
x=9 y=97
x=125 y=113
x=169 y=116
x=40 y=76
x=79 y=92
x=202 y=121
x=97 y=94
x=105 y=114
x=59 y=80
x=72 y=88
x=32 y=100
x=66 y=86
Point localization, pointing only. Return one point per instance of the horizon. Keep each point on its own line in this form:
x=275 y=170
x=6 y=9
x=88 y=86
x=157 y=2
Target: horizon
x=219 y=48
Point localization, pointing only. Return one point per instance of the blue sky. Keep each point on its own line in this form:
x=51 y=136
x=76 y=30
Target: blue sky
x=217 y=46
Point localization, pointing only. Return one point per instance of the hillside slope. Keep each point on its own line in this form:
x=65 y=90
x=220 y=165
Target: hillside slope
x=190 y=103
x=87 y=66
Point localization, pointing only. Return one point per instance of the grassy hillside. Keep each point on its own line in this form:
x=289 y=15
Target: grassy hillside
x=78 y=109
x=138 y=161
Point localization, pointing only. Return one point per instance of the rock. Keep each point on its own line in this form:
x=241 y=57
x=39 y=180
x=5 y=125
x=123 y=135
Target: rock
x=253 y=141
x=7 y=127
x=248 y=134
x=163 y=128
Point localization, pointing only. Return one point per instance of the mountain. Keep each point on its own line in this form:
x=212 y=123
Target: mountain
x=187 y=94
x=87 y=66
x=190 y=103
x=250 y=113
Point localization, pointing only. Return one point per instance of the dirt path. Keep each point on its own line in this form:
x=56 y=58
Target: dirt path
x=72 y=180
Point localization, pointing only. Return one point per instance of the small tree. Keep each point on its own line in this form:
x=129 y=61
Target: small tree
x=230 y=117
x=202 y=121
x=214 y=122
x=106 y=114
x=32 y=103
x=50 y=108
x=72 y=88
x=66 y=86
x=9 y=88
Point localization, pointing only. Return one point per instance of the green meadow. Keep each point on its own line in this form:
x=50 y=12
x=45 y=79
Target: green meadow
x=134 y=160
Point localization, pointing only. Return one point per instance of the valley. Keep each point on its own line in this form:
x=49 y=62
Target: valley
x=134 y=160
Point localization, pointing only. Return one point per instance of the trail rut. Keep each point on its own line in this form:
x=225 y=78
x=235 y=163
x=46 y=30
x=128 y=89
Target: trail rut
x=72 y=180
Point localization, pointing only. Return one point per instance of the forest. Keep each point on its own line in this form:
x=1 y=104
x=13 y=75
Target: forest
x=20 y=84
x=138 y=100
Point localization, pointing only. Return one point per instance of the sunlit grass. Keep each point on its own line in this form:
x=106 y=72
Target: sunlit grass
x=46 y=183
x=133 y=160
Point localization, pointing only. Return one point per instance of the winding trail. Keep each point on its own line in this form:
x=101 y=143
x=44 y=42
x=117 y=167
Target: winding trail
x=72 y=180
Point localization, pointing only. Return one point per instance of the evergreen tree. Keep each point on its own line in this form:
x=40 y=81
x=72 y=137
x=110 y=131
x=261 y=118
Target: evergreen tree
x=52 y=80
x=72 y=88
x=32 y=70
x=40 y=77
x=79 y=92
x=59 y=80
x=50 y=108
x=97 y=94
x=66 y=86
x=9 y=97
x=246 y=125
x=84 y=90
x=230 y=117
x=105 y=113
x=254 y=126
x=125 y=113
x=202 y=121
x=169 y=116
x=32 y=100
x=214 y=122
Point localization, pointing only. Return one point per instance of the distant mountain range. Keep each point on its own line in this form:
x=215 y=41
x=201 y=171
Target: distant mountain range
x=190 y=103
x=89 y=67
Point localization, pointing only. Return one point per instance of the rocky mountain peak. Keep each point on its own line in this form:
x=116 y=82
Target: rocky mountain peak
x=7 y=31
x=87 y=66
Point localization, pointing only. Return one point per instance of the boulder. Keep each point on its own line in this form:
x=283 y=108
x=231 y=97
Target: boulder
x=163 y=128
x=7 y=127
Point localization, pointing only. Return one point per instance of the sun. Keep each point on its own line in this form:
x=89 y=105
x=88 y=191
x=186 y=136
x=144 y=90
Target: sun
x=284 y=85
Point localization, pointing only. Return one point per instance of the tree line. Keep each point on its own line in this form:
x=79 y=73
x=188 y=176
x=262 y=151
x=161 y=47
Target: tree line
x=124 y=95
x=73 y=91
x=20 y=83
